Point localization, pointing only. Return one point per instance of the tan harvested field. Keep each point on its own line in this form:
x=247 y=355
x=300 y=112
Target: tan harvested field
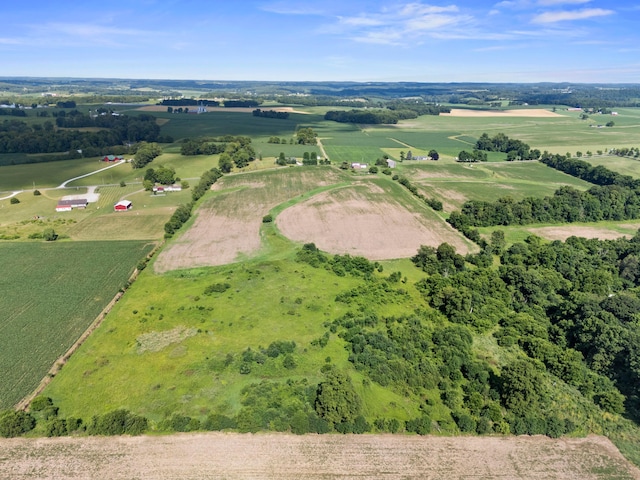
x=281 y=456
x=161 y=108
x=227 y=227
x=533 y=112
x=365 y=221
x=565 y=231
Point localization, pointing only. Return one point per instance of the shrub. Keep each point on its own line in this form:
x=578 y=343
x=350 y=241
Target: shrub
x=217 y=422
x=49 y=234
x=14 y=200
x=466 y=423
x=267 y=218
x=420 y=425
x=40 y=403
x=14 y=423
x=56 y=428
x=37 y=193
x=118 y=422
x=217 y=288
x=289 y=362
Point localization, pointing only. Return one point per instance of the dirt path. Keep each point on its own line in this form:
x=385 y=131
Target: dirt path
x=324 y=153
x=281 y=456
x=64 y=184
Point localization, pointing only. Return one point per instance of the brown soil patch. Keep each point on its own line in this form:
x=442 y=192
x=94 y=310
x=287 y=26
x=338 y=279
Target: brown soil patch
x=214 y=239
x=534 y=112
x=194 y=107
x=281 y=456
x=356 y=222
x=227 y=227
x=566 y=231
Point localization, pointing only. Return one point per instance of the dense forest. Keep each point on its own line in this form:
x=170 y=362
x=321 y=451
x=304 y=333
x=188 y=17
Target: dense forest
x=20 y=137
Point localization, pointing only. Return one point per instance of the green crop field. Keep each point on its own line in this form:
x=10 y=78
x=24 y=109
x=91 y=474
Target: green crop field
x=51 y=292
x=49 y=174
x=218 y=123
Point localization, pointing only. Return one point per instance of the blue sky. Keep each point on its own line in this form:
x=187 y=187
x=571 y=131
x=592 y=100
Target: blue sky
x=282 y=40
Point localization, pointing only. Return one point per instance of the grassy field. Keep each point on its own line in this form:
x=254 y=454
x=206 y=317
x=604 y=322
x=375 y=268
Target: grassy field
x=454 y=183
x=51 y=294
x=623 y=165
x=51 y=174
x=139 y=350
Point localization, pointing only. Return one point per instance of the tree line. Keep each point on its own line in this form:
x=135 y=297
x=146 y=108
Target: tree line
x=270 y=114
x=19 y=137
x=614 y=197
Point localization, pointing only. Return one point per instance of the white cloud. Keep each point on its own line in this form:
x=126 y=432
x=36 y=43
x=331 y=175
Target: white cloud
x=547 y=3
x=286 y=8
x=566 y=15
x=406 y=24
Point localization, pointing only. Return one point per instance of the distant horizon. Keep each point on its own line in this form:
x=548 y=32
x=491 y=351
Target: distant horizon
x=442 y=41
x=312 y=82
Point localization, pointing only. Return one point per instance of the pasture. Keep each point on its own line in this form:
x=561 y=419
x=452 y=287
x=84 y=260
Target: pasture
x=51 y=293
x=455 y=183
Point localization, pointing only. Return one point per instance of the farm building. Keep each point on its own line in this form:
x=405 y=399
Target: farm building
x=391 y=163
x=122 y=206
x=111 y=158
x=167 y=188
x=68 y=205
x=361 y=166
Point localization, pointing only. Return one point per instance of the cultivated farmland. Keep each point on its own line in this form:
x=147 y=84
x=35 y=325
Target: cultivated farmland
x=366 y=220
x=228 y=225
x=274 y=456
x=51 y=292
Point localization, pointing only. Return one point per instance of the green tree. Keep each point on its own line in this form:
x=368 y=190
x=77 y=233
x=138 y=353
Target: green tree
x=336 y=399
x=522 y=387
x=49 y=234
x=225 y=163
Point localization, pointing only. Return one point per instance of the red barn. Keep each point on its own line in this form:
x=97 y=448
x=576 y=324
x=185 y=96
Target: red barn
x=122 y=206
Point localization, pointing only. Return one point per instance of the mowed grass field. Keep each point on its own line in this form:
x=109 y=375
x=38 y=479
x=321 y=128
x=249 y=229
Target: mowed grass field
x=51 y=292
x=455 y=183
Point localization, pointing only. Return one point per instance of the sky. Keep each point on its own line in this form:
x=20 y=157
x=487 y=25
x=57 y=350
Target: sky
x=577 y=41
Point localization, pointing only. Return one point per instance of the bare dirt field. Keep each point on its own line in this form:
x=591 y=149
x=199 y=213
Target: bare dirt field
x=566 y=231
x=281 y=456
x=356 y=222
x=227 y=227
x=534 y=112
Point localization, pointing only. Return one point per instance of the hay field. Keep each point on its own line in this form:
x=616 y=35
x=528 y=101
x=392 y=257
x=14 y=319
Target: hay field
x=280 y=456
